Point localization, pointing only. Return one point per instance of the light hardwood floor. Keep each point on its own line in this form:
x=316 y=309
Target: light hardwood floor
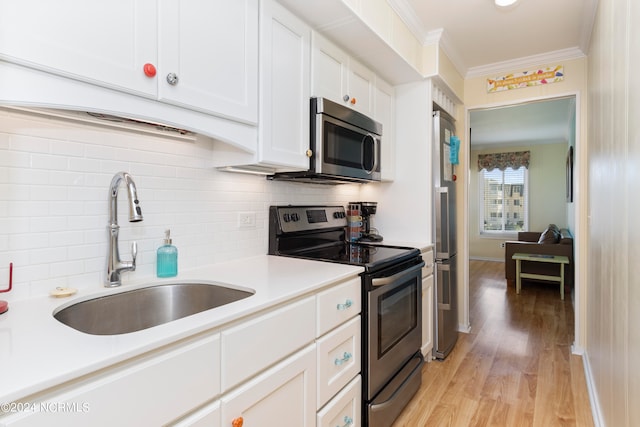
x=515 y=368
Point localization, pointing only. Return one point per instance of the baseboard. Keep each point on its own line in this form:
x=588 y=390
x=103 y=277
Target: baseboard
x=578 y=351
x=596 y=412
x=465 y=329
x=483 y=258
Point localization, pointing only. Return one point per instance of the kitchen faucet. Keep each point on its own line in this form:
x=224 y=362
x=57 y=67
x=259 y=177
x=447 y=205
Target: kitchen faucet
x=115 y=266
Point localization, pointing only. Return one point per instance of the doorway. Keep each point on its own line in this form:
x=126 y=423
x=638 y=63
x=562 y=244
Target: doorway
x=548 y=129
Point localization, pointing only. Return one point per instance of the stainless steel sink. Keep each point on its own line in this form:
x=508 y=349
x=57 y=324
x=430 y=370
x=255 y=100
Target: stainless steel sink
x=144 y=308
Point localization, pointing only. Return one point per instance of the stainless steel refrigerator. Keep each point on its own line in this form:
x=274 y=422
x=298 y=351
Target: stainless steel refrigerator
x=446 y=295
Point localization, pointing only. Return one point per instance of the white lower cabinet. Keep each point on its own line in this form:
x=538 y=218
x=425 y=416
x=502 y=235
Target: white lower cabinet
x=149 y=391
x=427 y=305
x=338 y=359
x=339 y=353
x=345 y=409
x=283 y=395
x=270 y=369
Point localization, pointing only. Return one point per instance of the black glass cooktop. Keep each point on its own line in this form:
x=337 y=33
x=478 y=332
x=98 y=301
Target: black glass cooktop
x=371 y=257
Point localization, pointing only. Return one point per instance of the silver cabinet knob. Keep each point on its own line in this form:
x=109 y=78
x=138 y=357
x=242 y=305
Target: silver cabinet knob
x=172 y=79
x=345 y=98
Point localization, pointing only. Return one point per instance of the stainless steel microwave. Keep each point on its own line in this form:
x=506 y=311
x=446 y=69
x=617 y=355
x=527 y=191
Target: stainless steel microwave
x=344 y=146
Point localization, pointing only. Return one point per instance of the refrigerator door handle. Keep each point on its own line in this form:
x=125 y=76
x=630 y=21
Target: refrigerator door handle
x=442 y=270
x=442 y=222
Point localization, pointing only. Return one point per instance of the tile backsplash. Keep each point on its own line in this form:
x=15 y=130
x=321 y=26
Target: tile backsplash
x=54 y=180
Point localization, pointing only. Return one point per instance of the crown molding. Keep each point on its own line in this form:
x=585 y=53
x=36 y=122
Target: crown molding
x=524 y=62
x=433 y=37
x=410 y=18
x=452 y=53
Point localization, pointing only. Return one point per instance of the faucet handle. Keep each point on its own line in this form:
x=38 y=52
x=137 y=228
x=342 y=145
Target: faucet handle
x=134 y=254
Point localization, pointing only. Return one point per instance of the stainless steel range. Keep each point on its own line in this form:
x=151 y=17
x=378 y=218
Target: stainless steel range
x=391 y=300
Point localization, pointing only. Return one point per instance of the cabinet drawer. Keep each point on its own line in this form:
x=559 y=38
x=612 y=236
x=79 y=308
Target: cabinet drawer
x=256 y=344
x=338 y=304
x=149 y=391
x=338 y=359
x=344 y=409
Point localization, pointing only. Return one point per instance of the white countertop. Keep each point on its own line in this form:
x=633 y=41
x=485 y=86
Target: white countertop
x=38 y=352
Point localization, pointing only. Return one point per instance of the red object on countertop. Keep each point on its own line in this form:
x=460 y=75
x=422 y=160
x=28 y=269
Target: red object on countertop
x=10 y=279
x=4 y=305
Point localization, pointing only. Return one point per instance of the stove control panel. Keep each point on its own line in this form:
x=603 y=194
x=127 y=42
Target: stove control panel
x=291 y=219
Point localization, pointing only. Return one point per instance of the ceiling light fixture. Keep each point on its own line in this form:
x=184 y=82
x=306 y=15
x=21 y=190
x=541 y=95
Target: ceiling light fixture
x=504 y=4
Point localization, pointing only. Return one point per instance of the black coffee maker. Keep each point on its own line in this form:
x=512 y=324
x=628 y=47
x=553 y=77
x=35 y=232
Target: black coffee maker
x=367 y=209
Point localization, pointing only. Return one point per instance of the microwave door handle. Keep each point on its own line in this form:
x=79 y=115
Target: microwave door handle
x=375 y=153
x=376 y=150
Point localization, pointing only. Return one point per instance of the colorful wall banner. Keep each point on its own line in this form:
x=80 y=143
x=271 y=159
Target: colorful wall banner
x=541 y=76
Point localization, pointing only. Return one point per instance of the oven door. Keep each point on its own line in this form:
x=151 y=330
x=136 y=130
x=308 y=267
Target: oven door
x=346 y=150
x=394 y=318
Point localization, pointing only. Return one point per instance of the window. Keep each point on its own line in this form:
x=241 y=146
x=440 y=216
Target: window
x=503 y=200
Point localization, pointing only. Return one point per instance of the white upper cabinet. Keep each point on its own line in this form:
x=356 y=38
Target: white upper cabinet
x=285 y=62
x=361 y=85
x=198 y=54
x=340 y=78
x=106 y=43
x=330 y=70
x=208 y=56
x=285 y=85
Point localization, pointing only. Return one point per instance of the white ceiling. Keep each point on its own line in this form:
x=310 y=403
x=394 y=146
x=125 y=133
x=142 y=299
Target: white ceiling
x=542 y=122
x=480 y=38
x=475 y=34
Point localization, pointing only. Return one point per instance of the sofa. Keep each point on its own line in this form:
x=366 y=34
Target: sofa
x=551 y=241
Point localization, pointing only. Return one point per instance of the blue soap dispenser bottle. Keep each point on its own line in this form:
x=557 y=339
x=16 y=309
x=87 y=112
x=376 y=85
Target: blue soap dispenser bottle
x=167 y=260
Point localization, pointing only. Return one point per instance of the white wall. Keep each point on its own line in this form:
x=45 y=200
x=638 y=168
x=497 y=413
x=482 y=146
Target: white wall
x=404 y=205
x=613 y=280
x=54 y=180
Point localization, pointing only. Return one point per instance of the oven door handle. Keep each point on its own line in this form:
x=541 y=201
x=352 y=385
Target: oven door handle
x=388 y=280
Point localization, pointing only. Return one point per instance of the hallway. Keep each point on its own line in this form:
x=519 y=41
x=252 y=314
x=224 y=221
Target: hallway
x=515 y=368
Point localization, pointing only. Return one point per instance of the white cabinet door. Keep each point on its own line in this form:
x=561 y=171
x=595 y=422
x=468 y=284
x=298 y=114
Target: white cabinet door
x=361 y=86
x=285 y=64
x=105 y=43
x=282 y=396
x=384 y=107
x=427 y=317
x=208 y=56
x=330 y=68
x=340 y=78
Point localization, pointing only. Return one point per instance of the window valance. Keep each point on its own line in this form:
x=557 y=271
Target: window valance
x=502 y=161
